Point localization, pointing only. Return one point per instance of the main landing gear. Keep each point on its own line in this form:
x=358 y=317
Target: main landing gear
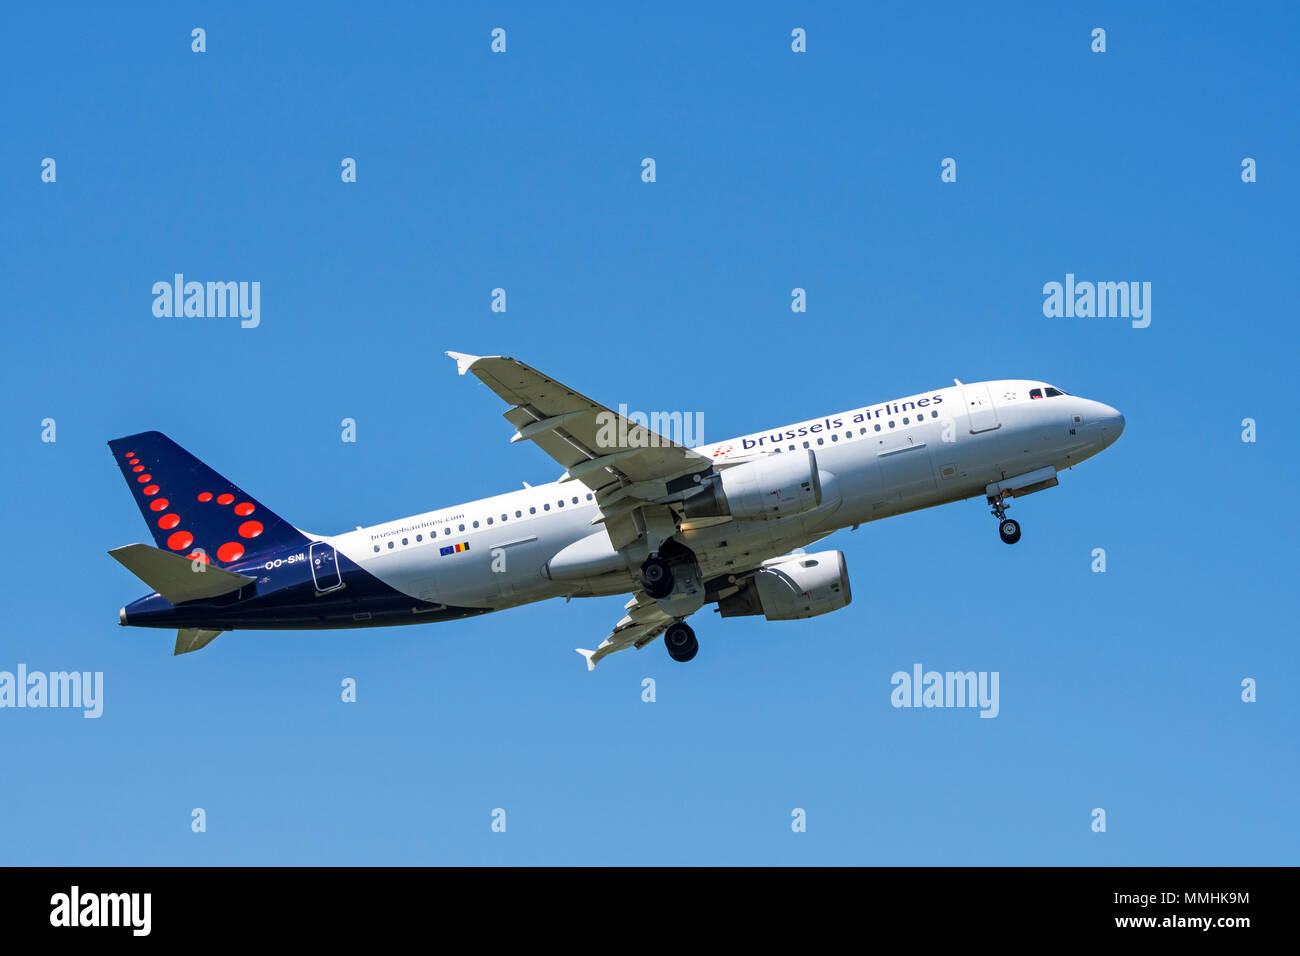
x=1008 y=528
x=657 y=578
x=680 y=641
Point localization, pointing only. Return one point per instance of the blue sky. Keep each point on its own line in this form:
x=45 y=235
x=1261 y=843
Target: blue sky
x=775 y=170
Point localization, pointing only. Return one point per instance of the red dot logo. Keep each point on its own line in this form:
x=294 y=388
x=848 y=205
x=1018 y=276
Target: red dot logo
x=250 y=529
x=167 y=522
x=129 y=454
x=230 y=551
x=151 y=489
x=205 y=496
x=134 y=461
x=225 y=499
x=138 y=468
x=158 y=504
x=244 y=509
x=143 y=478
x=180 y=540
x=198 y=555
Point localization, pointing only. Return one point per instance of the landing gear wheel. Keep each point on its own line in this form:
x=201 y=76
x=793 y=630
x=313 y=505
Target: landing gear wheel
x=680 y=641
x=1009 y=529
x=657 y=577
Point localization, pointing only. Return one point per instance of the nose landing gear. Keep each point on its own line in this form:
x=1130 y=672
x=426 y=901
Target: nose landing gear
x=1008 y=528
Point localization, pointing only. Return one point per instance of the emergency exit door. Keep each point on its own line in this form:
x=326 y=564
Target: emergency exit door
x=979 y=405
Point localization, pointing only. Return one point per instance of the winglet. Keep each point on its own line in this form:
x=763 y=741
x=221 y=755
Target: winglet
x=463 y=361
x=591 y=664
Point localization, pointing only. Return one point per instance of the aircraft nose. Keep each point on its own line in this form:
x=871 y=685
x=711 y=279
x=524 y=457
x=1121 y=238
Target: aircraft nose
x=1112 y=418
x=1109 y=422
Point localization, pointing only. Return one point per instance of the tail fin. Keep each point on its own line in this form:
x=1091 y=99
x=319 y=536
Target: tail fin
x=191 y=509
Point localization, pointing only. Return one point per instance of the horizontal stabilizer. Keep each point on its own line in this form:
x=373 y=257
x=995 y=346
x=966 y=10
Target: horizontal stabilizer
x=193 y=639
x=176 y=578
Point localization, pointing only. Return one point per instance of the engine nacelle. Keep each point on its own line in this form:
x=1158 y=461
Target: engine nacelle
x=774 y=486
x=793 y=587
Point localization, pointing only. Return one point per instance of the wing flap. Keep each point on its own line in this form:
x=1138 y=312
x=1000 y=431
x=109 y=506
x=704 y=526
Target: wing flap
x=641 y=625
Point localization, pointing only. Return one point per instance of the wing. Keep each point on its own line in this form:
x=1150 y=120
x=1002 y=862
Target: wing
x=633 y=470
x=641 y=625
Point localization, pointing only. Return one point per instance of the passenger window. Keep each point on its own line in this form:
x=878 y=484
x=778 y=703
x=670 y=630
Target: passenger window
x=546 y=507
x=821 y=441
x=560 y=503
x=891 y=424
x=476 y=524
x=575 y=500
x=519 y=514
x=877 y=426
x=504 y=517
x=489 y=519
x=446 y=530
x=462 y=527
x=833 y=438
x=805 y=444
x=589 y=496
x=419 y=537
x=376 y=549
x=532 y=511
x=905 y=420
x=934 y=414
x=390 y=545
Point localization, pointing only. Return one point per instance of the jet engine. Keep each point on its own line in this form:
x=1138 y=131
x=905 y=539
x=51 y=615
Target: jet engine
x=774 y=486
x=792 y=587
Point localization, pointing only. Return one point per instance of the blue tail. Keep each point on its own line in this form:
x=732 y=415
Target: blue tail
x=191 y=509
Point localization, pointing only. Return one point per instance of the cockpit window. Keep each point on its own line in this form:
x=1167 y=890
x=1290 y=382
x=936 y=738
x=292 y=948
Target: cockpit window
x=1035 y=393
x=1053 y=392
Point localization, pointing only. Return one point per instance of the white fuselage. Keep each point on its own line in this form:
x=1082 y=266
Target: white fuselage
x=879 y=460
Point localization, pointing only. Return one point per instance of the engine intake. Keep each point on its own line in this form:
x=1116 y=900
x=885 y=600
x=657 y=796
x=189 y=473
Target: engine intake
x=774 y=486
x=793 y=587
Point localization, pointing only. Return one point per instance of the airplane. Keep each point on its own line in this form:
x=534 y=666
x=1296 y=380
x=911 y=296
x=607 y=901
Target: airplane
x=634 y=513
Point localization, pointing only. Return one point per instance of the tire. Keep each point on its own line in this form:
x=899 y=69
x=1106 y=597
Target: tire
x=1009 y=529
x=681 y=643
x=656 y=577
